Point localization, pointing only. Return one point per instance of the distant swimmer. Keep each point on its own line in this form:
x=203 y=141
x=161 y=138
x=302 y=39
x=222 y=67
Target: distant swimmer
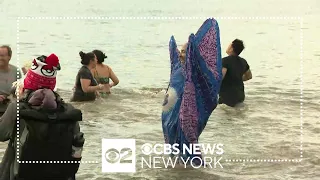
x=86 y=86
x=235 y=70
x=103 y=73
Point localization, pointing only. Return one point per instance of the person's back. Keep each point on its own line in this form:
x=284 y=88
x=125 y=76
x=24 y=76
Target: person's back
x=103 y=73
x=51 y=134
x=235 y=71
x=48 y=133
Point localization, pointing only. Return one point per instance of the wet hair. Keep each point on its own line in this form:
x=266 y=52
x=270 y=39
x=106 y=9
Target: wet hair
x=8 y=49
x=86 y=57
x=237 y=46
x=100 y=56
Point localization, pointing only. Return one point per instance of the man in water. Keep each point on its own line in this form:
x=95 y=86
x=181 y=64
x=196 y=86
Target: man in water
x=195 y=79
x=182 y=54
x=235 y=70
x=8 y=75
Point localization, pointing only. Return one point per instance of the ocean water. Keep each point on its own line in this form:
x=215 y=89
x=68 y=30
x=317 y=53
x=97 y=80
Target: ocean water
x=280 y=118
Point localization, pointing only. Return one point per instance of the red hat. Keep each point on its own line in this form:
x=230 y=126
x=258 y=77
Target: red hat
x=43 y=73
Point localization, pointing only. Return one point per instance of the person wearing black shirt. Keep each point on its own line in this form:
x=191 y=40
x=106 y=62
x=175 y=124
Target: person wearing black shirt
x=235 y=70
x=86 y=86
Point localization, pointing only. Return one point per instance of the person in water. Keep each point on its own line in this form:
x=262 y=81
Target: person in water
x=192 y=95
x=103 y=73
x=235 y=70
x=8 y=74
x=42 y=136
x=86 y=87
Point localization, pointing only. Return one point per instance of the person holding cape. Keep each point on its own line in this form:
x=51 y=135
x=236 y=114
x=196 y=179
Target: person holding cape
x=192 y=95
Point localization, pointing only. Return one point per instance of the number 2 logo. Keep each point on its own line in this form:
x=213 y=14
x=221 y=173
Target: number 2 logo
x=113 y=156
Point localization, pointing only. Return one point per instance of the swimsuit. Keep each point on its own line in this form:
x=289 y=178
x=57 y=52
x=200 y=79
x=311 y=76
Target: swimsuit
x=102 y=80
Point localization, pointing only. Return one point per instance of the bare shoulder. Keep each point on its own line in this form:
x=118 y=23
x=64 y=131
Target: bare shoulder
x=101 y=67
x=108 y=68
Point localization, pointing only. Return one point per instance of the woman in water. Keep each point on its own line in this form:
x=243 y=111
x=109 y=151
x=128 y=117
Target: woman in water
x=196 y=74
x=103 y=73
x=86 y=86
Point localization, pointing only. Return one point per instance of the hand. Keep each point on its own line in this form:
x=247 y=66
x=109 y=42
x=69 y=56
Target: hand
x=98 y=95
x=101 y=86
x=24 y=70
x=2 y=98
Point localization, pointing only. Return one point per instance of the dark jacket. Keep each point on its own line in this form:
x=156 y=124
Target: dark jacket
x=9 y=164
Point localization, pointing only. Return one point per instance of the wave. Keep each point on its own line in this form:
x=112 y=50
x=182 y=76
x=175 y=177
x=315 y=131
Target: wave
x=256 y=95
x=127 y=91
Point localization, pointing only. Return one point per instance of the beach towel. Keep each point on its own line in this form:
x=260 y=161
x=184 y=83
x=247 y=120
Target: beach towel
x=193 y=90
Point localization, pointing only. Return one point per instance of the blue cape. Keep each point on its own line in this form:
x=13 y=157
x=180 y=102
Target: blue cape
x=192 y=94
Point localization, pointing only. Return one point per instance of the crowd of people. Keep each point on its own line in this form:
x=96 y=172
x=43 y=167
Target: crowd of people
x=49 y=129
